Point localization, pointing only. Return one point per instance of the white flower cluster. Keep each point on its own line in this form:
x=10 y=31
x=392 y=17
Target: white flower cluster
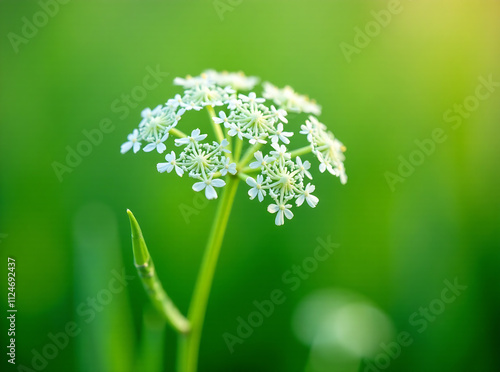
x=328 y=149
x=289 y=100
x=283 y=179
x=251 y=119
x=202 y=161
x=242 y=118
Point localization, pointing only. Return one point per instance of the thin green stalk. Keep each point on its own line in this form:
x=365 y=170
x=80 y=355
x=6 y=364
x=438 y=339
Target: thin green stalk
x=230 y=145
x=190 y=343
x=152 y=285
x=301 y=151
x=217 y=129
x=176 y=132
x=249 y=155
x=242 y=176
x=238 y=148
x=250 y=170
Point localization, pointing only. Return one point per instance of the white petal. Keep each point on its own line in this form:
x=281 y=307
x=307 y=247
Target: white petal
x=280 y=220
x=288 y=214
x=232 y=168
x=161 y=147
x=284 y=139
x=210 y=192
x=163 y=167
x=179 y=171
x=254 y=165
x=251 y=182
x=261 y=195
x=181 y=141
x=150 y=147
x=125 y=147
x=137 y=147
x=312 y=201
x=273 y=208
x=252 y=193
x=218 y=183
x=198 y=186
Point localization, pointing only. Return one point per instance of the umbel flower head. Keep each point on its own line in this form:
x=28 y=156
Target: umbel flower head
x=243 y=120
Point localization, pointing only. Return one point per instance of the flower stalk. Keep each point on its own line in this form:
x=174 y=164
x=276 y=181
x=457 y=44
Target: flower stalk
x=252 y=146
x=190 y=343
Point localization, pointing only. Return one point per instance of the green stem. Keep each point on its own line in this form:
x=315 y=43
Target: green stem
x=301 y=151
x=238 y=148
x=177 y=133
x=190 y=343
x=249 y=155
x=217 y=129
x=250 y=170
x=242 y=176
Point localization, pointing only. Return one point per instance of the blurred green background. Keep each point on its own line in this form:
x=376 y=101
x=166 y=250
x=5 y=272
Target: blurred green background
x=396 y=247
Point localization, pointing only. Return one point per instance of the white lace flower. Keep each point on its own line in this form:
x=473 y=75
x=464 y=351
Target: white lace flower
x=308 y=197
x=158 y=122
x=308 y=130
x=256 y=189
x=279 y=113
x=201 y=95
x=158 y=145
x=282 y=210
x=236 y=80
x=253 y=145
x=195 y=136
x=234 y=104
x=280 y=135
x=289 y=100
x=133 y=142
x=208 y=185
x=222 y=119
x=190 y=81
x=192 y=106
x=256 y=139
x=235 y=130
x=303 y=167
x=174 y=103
x=328 y=149
x=251 y=98
x=282 y=178
x=170 y=165
x=280 y=152
x=262 y=161
x=228 y=167
x=254 y=119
